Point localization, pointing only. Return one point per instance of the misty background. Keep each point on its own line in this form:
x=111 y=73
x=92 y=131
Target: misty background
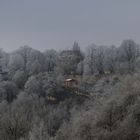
x=44 y=24
x=51 y=88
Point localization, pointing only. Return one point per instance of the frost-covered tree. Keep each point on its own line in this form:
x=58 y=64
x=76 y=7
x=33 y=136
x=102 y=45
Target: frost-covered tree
x=16 y=62
x=35 y=68
x=89 y=61
x=99 y=59
x=24 y=51
x=39 y=131
x=128 y=54
x=95 y=59
x=10 y=90
x=33 y=59
x=51 y=60
x=111 y=59
x=20 y=77
x=4 y=59
x=34 y=86
x=16 y=118
x=80 y=68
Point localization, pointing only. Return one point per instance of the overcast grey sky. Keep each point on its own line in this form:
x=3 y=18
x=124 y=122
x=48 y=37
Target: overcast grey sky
x=44 y=24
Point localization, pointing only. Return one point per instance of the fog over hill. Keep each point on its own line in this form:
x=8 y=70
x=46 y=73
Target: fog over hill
x=69 y=70
x=70 y=94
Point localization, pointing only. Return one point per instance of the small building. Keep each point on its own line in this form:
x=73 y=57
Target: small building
x=66 y=52
x=51 y=98
x=70 y=82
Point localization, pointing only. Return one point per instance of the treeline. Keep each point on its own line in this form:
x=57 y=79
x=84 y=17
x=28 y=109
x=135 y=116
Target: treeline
x=36 y=71
x=29 y=77
x=94 y=60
